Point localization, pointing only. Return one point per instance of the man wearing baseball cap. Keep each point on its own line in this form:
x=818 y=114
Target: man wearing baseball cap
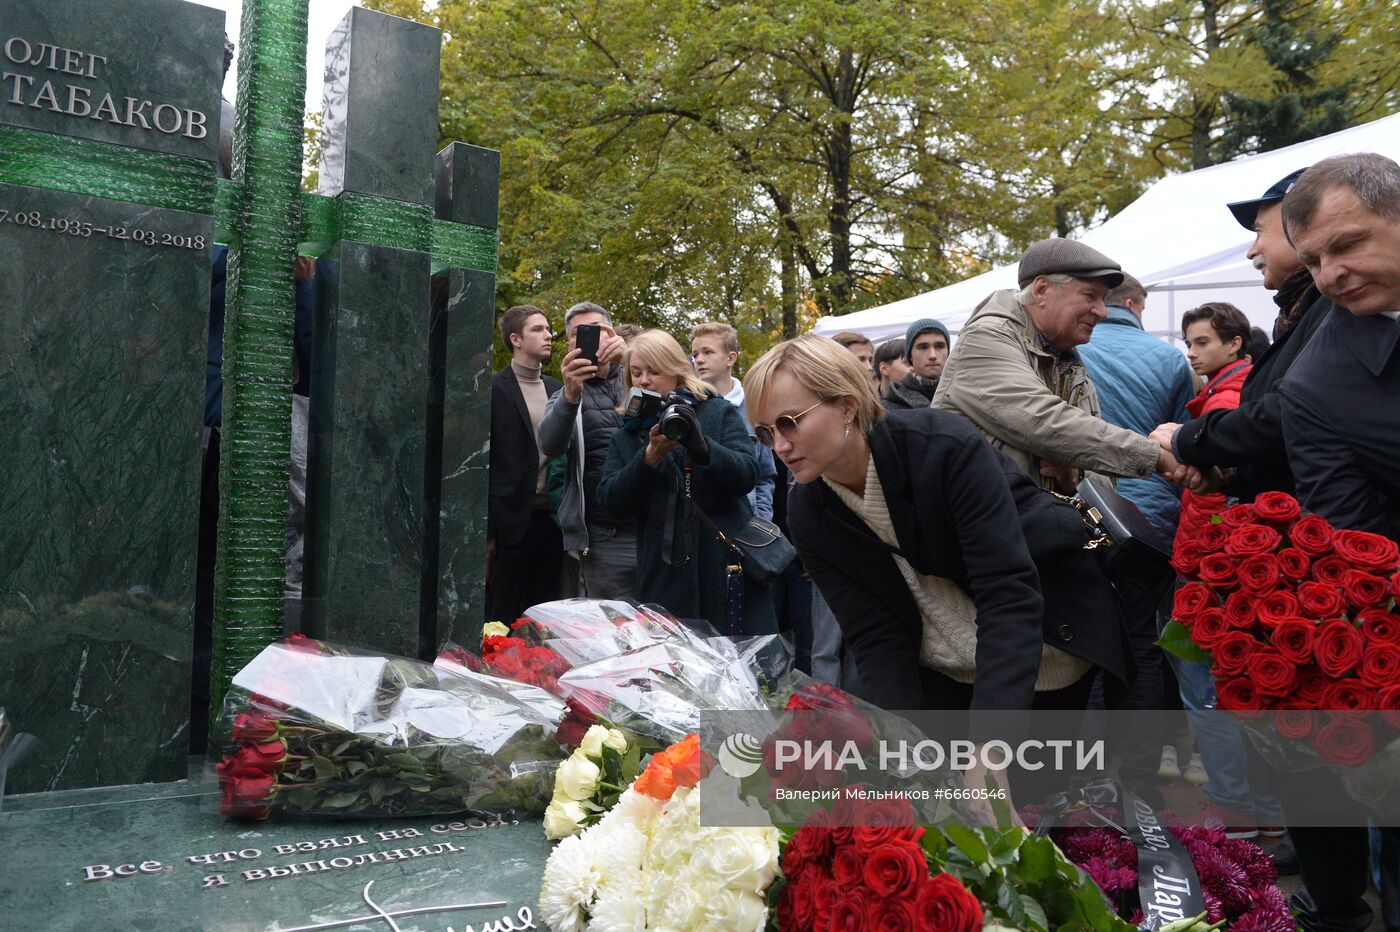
x=1250 y=437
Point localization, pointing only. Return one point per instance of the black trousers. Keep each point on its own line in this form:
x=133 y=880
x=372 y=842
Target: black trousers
x=526 y=572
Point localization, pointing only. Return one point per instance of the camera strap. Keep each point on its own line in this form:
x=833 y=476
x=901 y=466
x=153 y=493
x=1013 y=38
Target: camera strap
x=674 y=550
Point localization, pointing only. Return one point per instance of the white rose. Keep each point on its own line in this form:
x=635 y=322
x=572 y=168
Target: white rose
x=739 y=858
x=736 y=911
x=593 y=739
x=616 y=740
x=562 y=818
x=577 y=778
x=494 y=629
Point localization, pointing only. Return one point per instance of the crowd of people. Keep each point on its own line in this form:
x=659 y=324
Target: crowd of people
x=927 y=483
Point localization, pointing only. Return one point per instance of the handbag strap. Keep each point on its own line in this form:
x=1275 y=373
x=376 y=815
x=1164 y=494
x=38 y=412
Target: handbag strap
x=735 y=565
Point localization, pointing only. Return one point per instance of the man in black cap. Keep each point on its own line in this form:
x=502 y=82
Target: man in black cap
x=1250 y=437
x=926 y=344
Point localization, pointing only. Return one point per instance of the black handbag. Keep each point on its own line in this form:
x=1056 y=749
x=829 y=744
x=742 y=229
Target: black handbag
x=1128 y=547
x=763 y=552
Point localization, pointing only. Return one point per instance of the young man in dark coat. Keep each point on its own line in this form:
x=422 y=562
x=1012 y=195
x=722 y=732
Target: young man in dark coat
x=1341 y=426
x=523 y=545
x=926 y=346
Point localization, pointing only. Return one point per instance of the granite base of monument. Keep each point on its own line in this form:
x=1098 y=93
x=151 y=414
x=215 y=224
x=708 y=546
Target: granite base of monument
x=154 y=856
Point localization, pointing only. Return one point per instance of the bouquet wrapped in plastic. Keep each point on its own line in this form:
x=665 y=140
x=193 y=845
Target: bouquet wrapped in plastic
x=309 y=728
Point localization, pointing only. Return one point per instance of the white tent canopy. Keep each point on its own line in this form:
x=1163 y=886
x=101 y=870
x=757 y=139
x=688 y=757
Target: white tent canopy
x=1177 y=239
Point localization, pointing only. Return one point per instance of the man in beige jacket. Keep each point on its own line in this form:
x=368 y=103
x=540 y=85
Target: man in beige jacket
x=1015 y=374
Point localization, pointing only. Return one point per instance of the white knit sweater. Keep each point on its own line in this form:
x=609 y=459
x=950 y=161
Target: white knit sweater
x=949 y=615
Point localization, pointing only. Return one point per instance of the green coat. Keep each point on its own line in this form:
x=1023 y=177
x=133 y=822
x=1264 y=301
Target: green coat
x=1002 y=378
x=630 y=489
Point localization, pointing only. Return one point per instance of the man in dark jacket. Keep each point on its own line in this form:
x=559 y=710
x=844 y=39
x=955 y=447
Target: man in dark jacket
x=580 y=420
x=1250 y=437
x=523 y=546
x=926 y=345
x=1341 y=429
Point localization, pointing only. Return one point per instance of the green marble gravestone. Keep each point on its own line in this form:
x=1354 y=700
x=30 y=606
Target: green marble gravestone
x=108 y=211
x=107 y=179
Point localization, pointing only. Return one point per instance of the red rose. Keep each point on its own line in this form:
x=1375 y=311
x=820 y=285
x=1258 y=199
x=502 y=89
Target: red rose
x=1364 y=590
x=1330 y=570
x=1312 y=535
x=1395 y=588
x=1367 y=551
x=1338 y=647
x=896 y=869
x=264 y=758
x=1294 y=720
x=1276 y=507
x=1239 y=610
x=1275 y=607
x=245 y=793
x=1311 y=686
x=848 y=867
x=795 y=902
x=1209 y=626
x=1189 y=601
x=851 y=911
x=822 y=696
x=1230 y=653
x=1237 y=695
x=1388 y=701
x=1217 y=569
x=1212 y=537
x=1294 y=639
x=1348 y=742
x=302 y=644
x=824 y=897
x=1251 y=539
x=254 y=727
x=1319 y=600
x=1379 y=626
x=1380 y=667
x=1348 y=698
x=1293 y=563
x=1238 y=515
x=1258 y=574
x=1271 y=673
x=894 y=916
x=887 y=820
x=945 y=905
x=1186 y=557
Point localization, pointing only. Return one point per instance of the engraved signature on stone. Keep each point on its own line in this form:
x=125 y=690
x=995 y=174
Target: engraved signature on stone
x=524 y=917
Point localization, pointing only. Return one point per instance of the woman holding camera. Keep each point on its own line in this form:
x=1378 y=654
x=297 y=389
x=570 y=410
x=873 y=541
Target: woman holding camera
x=957 y=583
x=703 y=454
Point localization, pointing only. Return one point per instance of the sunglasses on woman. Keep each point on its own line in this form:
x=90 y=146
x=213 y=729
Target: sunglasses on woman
x=785 y=427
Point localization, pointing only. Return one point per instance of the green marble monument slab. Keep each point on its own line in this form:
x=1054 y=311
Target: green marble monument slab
x=365 y=509
x=159 y=858
x=94 y=69
x=104 y=298
x=468 y=181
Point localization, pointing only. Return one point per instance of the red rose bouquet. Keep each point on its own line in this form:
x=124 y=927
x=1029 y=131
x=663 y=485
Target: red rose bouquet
x=1300 y=626
x=308 y=728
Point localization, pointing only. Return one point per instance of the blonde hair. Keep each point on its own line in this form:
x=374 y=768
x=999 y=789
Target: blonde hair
x=659 y=350
x=823 y=367
x=728 y=336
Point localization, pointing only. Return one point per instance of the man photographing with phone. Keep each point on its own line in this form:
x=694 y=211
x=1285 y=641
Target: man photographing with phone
x=580 y=419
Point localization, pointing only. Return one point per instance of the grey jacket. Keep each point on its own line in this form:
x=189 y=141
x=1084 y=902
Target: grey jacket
x=1001 y=377
x=563 y=429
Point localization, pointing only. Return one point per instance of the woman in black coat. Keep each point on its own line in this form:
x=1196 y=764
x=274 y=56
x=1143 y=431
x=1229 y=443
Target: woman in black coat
x=681 y=565
x=957 y=583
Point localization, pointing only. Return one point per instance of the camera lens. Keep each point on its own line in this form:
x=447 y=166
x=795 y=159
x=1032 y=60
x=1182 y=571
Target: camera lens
x=675 y=425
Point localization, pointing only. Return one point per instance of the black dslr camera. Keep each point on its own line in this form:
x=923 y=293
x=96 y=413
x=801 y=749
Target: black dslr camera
x=676 y=416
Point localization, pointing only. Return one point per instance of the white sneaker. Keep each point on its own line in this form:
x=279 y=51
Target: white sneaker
x=1196 y=772
x=1168 y=769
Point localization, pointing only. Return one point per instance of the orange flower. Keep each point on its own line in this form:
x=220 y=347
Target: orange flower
x=682 y=764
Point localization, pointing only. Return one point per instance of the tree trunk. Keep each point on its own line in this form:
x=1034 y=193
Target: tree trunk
x=838 y=155
x=1203 y=111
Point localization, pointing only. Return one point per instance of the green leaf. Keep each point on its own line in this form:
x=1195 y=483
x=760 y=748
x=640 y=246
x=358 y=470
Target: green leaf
x=325 y=769
x=341 y=800
x=970 y=842
x=1037 y=859
x=1176 y=640
x=1034 y=914
x=936 y=844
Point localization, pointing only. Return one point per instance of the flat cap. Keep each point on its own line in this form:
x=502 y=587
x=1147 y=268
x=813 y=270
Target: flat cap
x=1068 y=257
x=1245 y=212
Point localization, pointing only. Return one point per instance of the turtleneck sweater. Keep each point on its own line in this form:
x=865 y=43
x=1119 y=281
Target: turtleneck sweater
x=532 y=387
